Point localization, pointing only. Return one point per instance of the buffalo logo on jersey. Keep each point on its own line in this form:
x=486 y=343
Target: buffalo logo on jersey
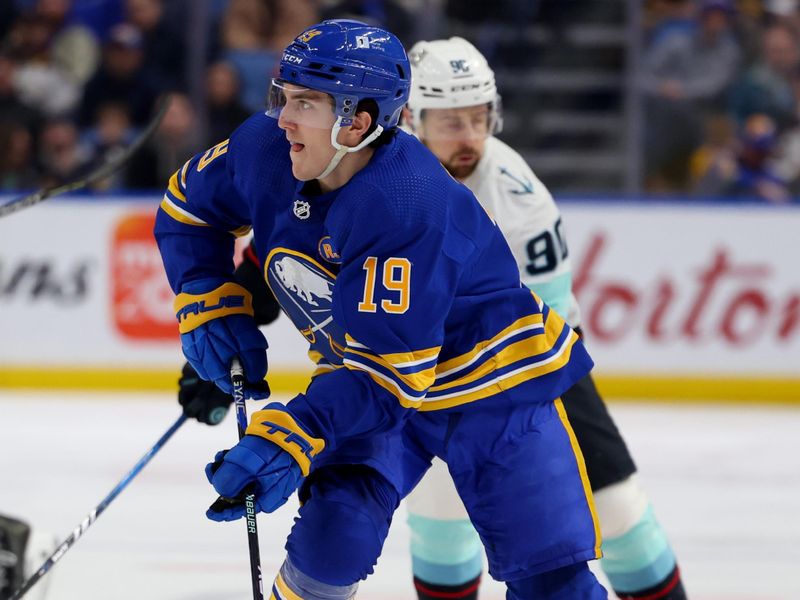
x=327 y=251
x=304 y=289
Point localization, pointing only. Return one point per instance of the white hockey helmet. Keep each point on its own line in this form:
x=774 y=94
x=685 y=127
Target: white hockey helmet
x=451 y=74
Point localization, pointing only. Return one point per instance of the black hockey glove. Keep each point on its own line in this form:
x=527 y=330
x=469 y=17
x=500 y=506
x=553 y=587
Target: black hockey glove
x=200 y=399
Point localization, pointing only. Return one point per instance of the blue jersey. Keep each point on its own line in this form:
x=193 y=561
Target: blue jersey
x=404 y=287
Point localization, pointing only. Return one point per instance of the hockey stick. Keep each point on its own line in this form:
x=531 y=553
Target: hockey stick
x=237 y=381
x=106 y=169
x=96 y=512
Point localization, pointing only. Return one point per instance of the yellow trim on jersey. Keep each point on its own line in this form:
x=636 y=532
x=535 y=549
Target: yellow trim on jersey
x=184 y=217
x=419 y=381
x=399 y=359
x=184 y=170
x=281 y=422
x=174 y=188
x=389 y=385
x=322 y=369
x=284 y=590
x=194 y=310
x=506 y=381
x=242 y=231
x=316 y=357
x=587 y=488
x=526 y=347
x=463 y=360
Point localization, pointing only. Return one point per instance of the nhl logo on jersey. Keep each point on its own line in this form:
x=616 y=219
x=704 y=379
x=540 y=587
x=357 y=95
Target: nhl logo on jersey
x=302 y=209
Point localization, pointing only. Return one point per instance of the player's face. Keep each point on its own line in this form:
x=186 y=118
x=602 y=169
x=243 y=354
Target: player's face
x=307 y=118
x=457 y=136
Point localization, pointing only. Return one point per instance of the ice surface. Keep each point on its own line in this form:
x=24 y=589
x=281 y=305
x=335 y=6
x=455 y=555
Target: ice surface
x=725 y=481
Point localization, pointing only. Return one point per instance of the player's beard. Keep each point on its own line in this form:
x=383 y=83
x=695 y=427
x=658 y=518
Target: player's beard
x=462 y=162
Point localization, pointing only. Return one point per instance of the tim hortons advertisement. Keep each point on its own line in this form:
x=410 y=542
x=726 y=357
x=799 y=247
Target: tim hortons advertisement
x=666 y=291
x=681 y=289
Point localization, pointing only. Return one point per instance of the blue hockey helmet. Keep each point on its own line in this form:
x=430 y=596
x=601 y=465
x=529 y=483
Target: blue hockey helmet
x=351 y=61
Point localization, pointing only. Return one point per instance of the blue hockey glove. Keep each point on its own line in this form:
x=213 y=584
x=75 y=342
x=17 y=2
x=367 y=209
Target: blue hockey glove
x=216 y=324
x=271 y=460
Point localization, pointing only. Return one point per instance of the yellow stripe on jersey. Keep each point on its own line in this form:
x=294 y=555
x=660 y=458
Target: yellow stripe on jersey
x=388 y=384
x=505 y=381
x=325 y=367
x=184 y=170
x=508 y=356
x=529 y=322
x=242 y=231
x=284 y=590
x=587 y=488
x=174 y=187
x=181 y=215
x=419 y=381
x=400 y=359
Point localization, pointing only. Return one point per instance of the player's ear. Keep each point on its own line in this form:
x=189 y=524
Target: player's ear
x=361 y=123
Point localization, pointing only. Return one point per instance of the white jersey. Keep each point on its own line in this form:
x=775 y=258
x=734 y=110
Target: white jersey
x=530 y=221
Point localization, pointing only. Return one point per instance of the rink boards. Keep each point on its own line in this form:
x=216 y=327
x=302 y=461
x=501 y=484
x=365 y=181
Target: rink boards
x=679 y=300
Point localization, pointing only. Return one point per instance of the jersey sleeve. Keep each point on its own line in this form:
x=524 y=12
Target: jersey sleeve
x=199 y=218
x=391 y=296
x=531 y=223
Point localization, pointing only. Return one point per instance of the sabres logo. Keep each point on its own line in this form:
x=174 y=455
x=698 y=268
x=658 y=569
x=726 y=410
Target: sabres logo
x=304 y=289
x=327 y=251
x=307 y=36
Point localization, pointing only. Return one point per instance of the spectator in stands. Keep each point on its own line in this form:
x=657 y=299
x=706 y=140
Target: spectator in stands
x=254 y=32
x=176 y=140
x=164 y=43
x=244 y=30
x=39 y=82
x=120 y=78
x=768 y=87
x=12 y=108
x=17 y=172
x=665 y=17
x=98 y=15
x=225 y=111
x=744 y=171
x=111 y=133
x=684 y=76
x=62 y=158
x=787 y=160
x=74 y=49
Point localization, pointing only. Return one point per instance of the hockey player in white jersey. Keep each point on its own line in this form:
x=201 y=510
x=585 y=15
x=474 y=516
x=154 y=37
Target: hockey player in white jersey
x=454 y=109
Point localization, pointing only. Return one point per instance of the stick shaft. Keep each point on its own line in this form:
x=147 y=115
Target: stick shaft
x=237 y=382
x=96 y=512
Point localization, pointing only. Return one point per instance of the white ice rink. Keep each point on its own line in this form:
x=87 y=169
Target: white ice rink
x=725 y=481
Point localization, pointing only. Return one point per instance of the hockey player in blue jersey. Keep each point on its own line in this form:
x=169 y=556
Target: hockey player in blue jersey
x=426 y=342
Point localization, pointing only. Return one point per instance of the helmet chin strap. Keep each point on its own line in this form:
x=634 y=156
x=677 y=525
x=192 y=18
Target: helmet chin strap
x=342 y=150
